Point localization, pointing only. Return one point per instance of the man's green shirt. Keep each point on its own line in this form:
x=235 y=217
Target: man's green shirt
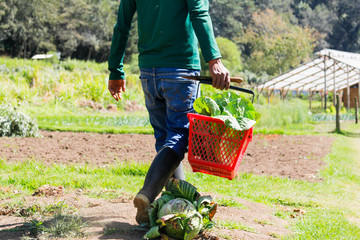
x=169 y=32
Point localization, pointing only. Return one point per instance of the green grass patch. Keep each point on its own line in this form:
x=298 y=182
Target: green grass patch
x=61 y=225
x=58 y=118
x=231 y=225
x=229 y=202
x=325 y=224
x=30 y=175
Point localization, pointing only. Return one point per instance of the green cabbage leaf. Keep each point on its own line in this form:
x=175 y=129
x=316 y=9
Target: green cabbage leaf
x=181 y=212
x=236 y=111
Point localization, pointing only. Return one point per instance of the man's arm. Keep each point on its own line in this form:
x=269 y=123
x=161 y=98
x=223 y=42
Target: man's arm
x=201 y=21
x=117 y=82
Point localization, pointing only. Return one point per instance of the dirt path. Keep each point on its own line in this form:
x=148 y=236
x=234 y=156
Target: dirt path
x=296 y=157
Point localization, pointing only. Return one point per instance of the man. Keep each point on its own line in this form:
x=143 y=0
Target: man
x=169 y=32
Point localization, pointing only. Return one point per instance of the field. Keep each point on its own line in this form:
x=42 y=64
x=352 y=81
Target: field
x=298 y=179
x=64 y=148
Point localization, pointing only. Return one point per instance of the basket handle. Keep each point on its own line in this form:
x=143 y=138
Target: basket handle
x=208 y=80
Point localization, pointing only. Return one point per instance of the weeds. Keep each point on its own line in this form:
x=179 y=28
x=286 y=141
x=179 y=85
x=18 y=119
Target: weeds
x=59 y=226
x=22 y=209
x=49 y=221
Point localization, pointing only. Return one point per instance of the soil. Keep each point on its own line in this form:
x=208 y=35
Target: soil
x=295 y=157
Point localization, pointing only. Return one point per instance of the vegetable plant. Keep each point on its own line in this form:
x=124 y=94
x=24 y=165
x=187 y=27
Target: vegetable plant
x=180 y=212
x=236 y=111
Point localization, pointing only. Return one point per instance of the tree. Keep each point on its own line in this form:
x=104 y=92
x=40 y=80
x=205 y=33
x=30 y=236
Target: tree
x=25 y=25
x=346 y=32
x=230 y=17
x=320 y=18
x=275 y=45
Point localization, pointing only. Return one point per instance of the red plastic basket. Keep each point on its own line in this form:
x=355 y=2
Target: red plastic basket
x=214 y=148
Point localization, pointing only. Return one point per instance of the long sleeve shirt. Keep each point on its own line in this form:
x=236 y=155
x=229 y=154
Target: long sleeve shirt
x=169 y=33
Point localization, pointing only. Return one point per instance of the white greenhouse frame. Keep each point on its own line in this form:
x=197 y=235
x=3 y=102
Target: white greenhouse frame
x=332 y=71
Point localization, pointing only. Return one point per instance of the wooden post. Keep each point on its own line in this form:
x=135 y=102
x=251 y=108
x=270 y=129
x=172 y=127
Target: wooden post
x=334 y=79
x=310 y=96
x=325 y=86
x=347 y=88
x=356 y=111
x=359 y=90
x=337 y=129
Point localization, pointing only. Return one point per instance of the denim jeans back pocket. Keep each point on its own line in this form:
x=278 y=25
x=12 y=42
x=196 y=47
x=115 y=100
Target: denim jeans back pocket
x=149 y=92
x=180 y=95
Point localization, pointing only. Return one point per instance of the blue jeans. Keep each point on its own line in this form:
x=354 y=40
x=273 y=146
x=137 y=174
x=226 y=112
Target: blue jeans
x=168 y=99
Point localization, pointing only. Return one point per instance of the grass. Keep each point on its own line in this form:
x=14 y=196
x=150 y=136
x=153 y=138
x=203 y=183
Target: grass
x=54 y=220
x=33 y=174
x=59 y=226
x=325 y=224
x=22 y=208
x=234 y=226
x=229 y=202
x=54 y=94
x=96 y=123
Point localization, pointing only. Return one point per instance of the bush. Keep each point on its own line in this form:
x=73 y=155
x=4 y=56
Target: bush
x=16 y=124
x=231 y=57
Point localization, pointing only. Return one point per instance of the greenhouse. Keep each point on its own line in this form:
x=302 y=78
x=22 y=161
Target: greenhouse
x=331 y=71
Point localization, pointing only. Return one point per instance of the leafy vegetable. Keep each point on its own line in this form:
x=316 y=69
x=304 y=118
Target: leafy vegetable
x=180 y=212
x=234 y=110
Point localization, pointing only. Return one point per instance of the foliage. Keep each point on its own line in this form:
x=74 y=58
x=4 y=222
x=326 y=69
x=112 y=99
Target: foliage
x=79 y=27
x=231 y=57
x=16 y=124
x=237 y=112
x=83 y=29
x=70 y=83
x=283 y=114
x=345 y=34
x=274 y=44
x=180 y=212
x=319 y=17
x=230 y=17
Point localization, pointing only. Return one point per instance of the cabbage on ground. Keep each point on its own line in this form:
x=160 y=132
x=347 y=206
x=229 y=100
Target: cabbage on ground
x=180 y=212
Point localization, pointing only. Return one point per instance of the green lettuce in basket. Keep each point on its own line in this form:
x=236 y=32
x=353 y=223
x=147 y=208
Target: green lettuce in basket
x=236 y=111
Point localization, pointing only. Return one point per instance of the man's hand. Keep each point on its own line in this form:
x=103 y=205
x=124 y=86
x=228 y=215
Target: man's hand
x=116 y=87
x=220 y=75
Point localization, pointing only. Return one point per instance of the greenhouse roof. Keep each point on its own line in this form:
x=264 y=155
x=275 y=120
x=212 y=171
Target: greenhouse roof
x=331 y=70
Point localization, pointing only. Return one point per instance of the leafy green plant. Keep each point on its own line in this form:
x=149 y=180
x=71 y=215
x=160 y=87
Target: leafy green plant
x=180 y=212
x=236 y=111
x=14 y=123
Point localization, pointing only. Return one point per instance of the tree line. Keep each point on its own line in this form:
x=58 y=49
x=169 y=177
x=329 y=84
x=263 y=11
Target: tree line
x=270 y=35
